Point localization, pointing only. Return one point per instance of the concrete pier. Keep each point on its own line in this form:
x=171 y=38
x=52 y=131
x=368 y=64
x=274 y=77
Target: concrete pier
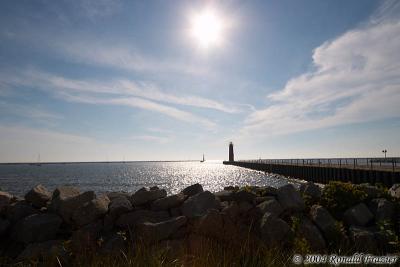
x=325 y=173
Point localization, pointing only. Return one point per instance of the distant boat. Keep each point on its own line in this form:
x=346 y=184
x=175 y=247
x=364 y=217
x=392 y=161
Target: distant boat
x=203 y=159
x=38 y=162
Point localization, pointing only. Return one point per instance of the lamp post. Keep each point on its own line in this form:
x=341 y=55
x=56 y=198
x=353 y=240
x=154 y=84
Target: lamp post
x=384 y=152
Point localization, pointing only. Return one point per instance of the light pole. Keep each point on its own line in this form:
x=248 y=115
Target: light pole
x=384 y=152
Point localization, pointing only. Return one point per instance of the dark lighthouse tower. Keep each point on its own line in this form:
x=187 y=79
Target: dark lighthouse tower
x=231 y=155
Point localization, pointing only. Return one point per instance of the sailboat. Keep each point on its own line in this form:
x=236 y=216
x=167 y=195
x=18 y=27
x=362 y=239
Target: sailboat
x=202 y=159
x=38 y=162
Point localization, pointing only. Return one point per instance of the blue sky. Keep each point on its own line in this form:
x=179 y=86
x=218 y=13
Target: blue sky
x=105 y=80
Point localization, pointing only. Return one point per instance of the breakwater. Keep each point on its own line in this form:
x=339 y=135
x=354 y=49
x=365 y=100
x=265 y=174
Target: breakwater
x=324 y=173
x=67 y=223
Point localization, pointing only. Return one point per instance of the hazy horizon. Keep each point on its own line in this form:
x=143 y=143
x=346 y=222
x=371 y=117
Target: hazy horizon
x=102 y=80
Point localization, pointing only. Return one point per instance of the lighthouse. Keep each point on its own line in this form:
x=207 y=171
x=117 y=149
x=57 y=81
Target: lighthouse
x=231 y=155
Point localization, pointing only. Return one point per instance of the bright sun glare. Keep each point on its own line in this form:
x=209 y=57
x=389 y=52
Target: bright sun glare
x=207 y=28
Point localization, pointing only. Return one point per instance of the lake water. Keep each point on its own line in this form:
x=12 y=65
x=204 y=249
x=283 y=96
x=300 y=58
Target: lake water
x=130 y=176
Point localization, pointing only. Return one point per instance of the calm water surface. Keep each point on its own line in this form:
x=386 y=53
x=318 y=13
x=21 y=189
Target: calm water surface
x=104 y=177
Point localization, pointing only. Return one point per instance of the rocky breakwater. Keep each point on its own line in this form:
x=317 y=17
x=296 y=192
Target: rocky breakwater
x=67 y=222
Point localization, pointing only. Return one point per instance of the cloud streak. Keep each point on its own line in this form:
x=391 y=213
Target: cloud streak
x=112 y=93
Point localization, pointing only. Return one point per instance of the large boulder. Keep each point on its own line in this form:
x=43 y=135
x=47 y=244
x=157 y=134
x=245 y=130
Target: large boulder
x=91 y=211
x=37 y=228
x=131 y=219
x=168 y=202
x=119 y=205
x=38 y=196
x=19 y=210
x=323 y=219
x=358 y=215
x=394 y=191
x=311 y=190
x=225 y=195
x=66 y=200
x=4 y=224
x=311 y=233
x=199 y=204
x=192 y=190
x=153 y=232
x=274 y=231
x=383 y=209
x=5 y=199
x=144 y=196
x=270 y=206
x=217 y=225
x=290 y=199
x=86 y=237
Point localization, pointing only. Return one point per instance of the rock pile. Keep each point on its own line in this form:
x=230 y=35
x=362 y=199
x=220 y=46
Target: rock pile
x=43 y=223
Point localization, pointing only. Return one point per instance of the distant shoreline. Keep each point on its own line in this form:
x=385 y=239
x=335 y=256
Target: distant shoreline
x=83 y=162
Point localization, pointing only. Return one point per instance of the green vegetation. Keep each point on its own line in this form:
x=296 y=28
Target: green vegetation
x=339 y=196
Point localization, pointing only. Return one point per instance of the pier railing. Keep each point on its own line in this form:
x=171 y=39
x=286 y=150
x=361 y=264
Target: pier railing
x=387 y=164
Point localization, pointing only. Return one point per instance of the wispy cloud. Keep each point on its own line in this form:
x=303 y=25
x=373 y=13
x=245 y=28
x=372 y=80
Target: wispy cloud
x=27 y=111
x=355 y=79
x=91 y=92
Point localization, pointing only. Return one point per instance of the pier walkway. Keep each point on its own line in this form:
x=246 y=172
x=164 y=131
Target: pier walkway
x=355 y=170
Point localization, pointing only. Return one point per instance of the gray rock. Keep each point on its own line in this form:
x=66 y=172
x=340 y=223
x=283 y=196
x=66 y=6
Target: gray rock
x=38 y=196
x=270 y=206
x=198 y=204
x=225 y=195
x=383 y=209
x=118 y=206
x=311 y=233
x=323 y=219
x=394 y=191
x=91 y=211
x=45 y=249
x=36 y=228
x=217 y=225
x=290 y=199
x=5 y=199
x=358 y=215
x=131 y=219
x=192 y=190
x=311 y=189
x=85 y=238
x=238 y=196
x=233 y=210
x=144 y=196
x=168 y=202
x=153 y=232
x=66 y=200
x=363 y=239
x=259 y=200
x=4 y=224
x=113 y=195
x=19 y=210
x=273 y=230
x=243 y=195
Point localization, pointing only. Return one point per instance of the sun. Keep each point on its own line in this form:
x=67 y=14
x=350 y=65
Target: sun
x=207 y=28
